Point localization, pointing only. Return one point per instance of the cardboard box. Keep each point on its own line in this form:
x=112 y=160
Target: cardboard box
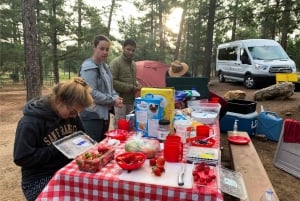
x=168 y=102
x=148 y=112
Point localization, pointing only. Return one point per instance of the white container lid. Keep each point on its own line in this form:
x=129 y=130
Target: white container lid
x=205 y=117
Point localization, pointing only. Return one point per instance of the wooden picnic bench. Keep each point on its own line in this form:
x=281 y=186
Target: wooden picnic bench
x=245 y=160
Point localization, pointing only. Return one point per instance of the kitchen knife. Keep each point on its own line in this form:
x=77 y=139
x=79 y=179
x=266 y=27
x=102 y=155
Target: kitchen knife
x=181 y=176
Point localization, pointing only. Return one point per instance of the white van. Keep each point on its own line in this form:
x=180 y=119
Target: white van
x=252 y=61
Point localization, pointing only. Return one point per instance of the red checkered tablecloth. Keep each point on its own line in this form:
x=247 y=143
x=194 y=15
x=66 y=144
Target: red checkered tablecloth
x=69 y=183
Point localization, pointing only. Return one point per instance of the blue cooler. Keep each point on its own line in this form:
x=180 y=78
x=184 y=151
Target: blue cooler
x=246 y=122
x=270 y=125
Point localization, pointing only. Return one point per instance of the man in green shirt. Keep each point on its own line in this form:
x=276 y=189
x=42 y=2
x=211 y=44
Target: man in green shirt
x=123 y=69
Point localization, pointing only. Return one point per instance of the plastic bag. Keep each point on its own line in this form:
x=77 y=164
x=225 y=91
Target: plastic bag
x=146 y=145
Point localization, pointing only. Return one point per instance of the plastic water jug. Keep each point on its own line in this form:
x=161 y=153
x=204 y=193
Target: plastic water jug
x=270 y=125
x=268 y=196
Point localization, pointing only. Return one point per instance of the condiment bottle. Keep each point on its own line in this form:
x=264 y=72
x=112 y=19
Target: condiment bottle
x=163 y=129
x=235 y=126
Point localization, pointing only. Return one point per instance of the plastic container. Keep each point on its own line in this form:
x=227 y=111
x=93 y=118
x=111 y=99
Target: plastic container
x=204 y=106
x=95 y=164
x=163 y=129
x=268 y=195
x=246 y=122
x=232 y=183
x=241 y=106
x=205 y=117
x=74 y=144
x=270 y=125
x=181 y=127
x=207 y=154
x=195 y=93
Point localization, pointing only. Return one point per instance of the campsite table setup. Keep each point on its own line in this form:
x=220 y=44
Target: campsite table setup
x=113 y=183
x=189 y=144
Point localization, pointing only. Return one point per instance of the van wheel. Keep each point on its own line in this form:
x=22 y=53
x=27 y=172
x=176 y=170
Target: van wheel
x=249 y=81
x=221 y=77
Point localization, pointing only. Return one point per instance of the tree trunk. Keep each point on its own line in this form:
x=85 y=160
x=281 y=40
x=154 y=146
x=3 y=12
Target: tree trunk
x=265 y=24
x=113 y=3
x=275 y=20
x=32 y=70
x=233 y=33
x=160 y=22
x=39 y=41
x=209 y=39
x=54 y=42
x=285 y=22
x=79 y=32
x=176 y=54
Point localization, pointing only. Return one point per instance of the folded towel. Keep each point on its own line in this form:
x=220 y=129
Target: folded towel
x=291 y=132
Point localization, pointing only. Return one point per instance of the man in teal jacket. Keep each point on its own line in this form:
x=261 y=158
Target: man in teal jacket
x=123 y=69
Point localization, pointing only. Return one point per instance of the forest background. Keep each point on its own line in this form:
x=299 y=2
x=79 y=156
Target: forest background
x=43 y=41
x=55 y=36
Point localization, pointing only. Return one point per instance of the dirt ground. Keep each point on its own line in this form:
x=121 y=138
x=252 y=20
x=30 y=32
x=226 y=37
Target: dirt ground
x=284 y=184
x=11 y=105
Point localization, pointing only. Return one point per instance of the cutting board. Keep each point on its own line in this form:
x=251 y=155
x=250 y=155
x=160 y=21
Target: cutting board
x=169 y=178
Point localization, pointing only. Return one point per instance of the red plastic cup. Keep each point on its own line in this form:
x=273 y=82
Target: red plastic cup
x=202 y=131
x=123 y=124
x=173 y=138
x=173 y=151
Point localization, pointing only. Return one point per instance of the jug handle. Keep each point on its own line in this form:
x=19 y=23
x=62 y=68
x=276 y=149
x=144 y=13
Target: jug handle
x=272 y=113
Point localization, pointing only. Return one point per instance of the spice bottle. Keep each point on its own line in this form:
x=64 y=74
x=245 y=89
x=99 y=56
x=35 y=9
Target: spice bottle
x=163 y=129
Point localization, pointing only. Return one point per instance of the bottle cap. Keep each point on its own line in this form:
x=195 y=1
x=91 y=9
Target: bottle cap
x=163 y=122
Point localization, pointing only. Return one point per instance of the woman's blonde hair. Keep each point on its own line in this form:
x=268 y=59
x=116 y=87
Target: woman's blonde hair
x=73 y=92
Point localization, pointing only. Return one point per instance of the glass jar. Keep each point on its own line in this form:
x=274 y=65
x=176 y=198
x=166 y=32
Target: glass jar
x=163 y=129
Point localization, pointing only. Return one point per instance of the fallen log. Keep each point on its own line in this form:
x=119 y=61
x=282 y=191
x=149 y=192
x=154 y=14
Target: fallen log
x=283 y=90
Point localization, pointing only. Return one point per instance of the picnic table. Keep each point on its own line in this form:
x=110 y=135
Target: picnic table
x=69 y=183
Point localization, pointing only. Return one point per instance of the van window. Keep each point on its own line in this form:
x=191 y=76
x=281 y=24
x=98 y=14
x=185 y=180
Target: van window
x=229 y=53
x=244 y=57
x=267 y=52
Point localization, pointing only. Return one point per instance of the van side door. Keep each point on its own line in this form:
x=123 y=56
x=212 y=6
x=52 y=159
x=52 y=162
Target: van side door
x=236 y=70
x=245 y=61
x=226 y=60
